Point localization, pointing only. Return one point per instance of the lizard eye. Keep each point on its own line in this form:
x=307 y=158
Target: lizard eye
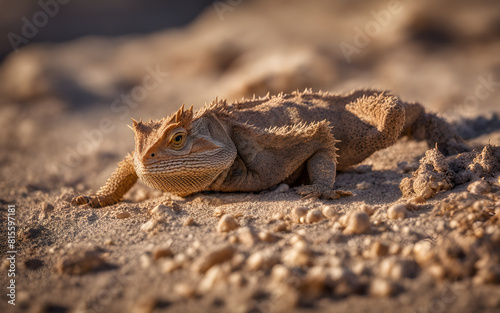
x=178 y=140
x=152 y=155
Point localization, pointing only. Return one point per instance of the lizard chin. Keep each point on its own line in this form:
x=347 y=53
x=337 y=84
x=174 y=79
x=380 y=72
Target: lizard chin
x=184 y=177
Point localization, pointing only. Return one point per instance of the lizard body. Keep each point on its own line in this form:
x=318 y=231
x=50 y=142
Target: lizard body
x=256 y=144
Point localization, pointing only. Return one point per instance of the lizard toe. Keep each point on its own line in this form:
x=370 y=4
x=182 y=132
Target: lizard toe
x=317 y=191
x=80 y=200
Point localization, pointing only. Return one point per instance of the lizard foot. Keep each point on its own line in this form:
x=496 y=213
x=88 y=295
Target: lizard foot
x=320 y=191
x=95 y=201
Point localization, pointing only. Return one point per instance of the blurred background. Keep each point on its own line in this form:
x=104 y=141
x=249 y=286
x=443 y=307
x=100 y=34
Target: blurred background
x=73 y=73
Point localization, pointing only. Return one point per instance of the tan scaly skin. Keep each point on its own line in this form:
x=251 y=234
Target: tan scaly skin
x=256 y=144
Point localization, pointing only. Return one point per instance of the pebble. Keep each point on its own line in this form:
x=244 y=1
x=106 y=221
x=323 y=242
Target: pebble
x=214 y=275
x=423 y=252
x=397 y=211
x=397 y=269
x=236 y=279
x=314 y=216
x=188 y=222
x=218 y=212
x=381 y=288
x=214 y=257
x=163 y=212
x=377 y=249
x=368 y=209
x=227 y=223
x=47 y=207
x=263 y=259
x=184 y=290
x=330 y=212
x=298 y=214
x=247 y=237
x=298 y=255
x=79 y=262
x=149 y=225
x=170 y=265
x=123 y=214
x=358 y=223
x=479 y=187
x=280 y=273
x=363 y=185
x=161 y=253
x=281 y=227
x=277 y=216
x=282 y=188
x=267 y=236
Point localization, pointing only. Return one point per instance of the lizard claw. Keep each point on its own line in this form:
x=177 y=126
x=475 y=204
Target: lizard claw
x=320 y=191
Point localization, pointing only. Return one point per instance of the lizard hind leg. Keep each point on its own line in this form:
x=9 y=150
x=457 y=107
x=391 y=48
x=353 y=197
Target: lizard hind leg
x=321 y=170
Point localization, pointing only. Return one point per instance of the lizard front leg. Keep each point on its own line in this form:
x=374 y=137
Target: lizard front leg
x=321 y=169
x=122 y=179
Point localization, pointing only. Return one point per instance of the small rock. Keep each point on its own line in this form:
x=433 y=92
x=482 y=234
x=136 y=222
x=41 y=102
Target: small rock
x=423 y=252
x=161 y=253
x=397 y=211
x=236 y=279
x=278 y=216
x=214 y=275
x=267 y=236
x=227 y=223
x=358 y=223
x=363 y=185
x=298 y=255
x=397 y=269
x=47 y=207
x=280 y=273
x=381 y=288
x=263 y=259
x=330 y=212
x=377 y=250
x=479 y=187
x=145 y=305
x=218 y=212
x=163 y=212
x=247 y=237
x=282 y=188
x=188 y=222
x=123 y=214
x=170 y=265
x=314 y=216
x=149 y=225
x=368 y=209
x=214 y=257
x=79 y=262
x=184 y=290
x=281 y=227
x=298 y=214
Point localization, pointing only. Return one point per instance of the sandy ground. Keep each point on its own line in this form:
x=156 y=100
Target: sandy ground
x=64 y=110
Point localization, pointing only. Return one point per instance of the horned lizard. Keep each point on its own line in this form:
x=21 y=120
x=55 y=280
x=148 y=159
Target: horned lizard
x=253 y=145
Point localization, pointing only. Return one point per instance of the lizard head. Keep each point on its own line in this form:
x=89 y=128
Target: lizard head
x=181 y=154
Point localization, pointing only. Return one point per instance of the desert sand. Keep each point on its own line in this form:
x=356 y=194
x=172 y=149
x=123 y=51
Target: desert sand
x=64 y=110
